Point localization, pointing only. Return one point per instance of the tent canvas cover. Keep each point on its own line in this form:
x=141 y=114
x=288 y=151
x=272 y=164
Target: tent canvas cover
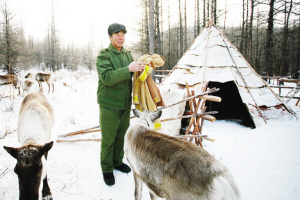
x=245 y=95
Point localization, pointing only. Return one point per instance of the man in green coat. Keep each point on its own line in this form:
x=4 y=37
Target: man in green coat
x=115 y=68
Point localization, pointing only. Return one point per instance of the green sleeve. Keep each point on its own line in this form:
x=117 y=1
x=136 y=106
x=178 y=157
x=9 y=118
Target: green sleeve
x=107 y=74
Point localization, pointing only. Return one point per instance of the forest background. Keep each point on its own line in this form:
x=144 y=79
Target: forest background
x=266 y=32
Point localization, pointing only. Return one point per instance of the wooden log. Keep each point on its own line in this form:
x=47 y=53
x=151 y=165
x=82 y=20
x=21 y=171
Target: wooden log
x=189 y=116
x=290 y=97
x=192 y=122
x=297 y=102
x=275 y=77
x=209 y=118
x=163 y=71
x=290 y=80
x=79 y=140
x=211 y=98
x=193 y=136
x=197 y=136
x=286 y=87
x=89 y=130
x=187 y=99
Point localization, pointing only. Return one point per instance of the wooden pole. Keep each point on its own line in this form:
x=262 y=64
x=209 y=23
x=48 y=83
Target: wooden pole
x=187 y=99
x=81 y=132
x=79 y=140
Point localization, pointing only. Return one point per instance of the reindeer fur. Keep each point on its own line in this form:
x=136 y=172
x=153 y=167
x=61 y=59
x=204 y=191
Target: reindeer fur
x=173 y=168
x=36 y=119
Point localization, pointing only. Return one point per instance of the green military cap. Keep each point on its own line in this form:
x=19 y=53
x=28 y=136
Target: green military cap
x=115 y=28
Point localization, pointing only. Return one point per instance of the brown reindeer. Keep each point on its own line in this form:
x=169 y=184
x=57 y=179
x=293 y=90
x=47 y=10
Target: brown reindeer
x=35 y=122
x=173 y=168
x=10 y=79
x=42 y=77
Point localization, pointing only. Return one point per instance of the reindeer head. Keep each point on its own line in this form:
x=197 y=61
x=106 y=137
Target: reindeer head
x=29 y=168
x=147 y=117
x=28 y=75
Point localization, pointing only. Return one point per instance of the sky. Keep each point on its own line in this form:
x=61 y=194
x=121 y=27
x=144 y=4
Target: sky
x=79 y=22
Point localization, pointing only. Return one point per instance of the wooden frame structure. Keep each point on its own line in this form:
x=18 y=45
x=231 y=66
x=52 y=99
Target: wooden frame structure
x=196 y=102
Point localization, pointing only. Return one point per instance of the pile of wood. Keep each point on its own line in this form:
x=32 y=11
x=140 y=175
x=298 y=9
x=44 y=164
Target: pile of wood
x=196 y=115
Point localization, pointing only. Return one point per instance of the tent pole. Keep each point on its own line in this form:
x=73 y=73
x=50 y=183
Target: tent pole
x=246 y=86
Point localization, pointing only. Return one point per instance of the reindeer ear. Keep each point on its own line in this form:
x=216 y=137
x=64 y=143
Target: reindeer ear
x=155 y=115
x=12 y=151
x=46 y=147
x=136 y=112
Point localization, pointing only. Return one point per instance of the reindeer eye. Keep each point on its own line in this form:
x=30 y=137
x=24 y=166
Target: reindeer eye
x=22 y=154
x=30 y=153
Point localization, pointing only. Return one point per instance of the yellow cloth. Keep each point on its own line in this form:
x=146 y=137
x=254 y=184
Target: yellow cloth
x=146 y=95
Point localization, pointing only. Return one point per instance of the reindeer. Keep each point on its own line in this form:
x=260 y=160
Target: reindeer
x=35 y=122
x=173 y=168
x=8 y=79
x=42 y=77
x=29 y=85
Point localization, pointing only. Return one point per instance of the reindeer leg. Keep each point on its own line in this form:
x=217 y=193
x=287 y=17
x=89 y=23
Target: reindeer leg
x=138 y=186
x=52 y=87
x=49 y=87
x=46 y=193
x=41 y=86
x=152 y=195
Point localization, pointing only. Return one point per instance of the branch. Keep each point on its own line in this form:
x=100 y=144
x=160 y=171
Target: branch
x=79 y=140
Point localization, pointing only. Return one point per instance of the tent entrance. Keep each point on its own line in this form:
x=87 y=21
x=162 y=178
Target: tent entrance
x=231 y=107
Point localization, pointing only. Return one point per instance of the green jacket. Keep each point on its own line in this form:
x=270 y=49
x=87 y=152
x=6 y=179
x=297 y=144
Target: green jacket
x=114 y=84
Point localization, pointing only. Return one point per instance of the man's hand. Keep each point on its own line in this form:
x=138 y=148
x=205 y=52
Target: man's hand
x=136 y=66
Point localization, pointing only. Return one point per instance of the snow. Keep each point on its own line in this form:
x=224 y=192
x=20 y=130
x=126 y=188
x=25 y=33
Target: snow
x=265 y=161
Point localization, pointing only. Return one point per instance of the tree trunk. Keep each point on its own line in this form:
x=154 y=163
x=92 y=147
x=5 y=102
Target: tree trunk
x=181 y=31
x=225 y=13
x=204 y=15
x=246 y=31
x=250 y=56
x=162 y=30
x=269 y=41
x=185 y=27
x=151 y=49
x=208 y=13
x=151 y=46
x=158 y=42
x=170 y=46
x=257 y=41
x=243 y=30
x=214 y=5
x=284 y=64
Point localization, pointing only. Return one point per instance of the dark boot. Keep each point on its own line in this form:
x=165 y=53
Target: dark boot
x=123 y=168
x=109 y=178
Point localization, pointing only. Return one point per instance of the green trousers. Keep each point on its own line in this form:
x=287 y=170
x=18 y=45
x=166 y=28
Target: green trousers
x=114 y=125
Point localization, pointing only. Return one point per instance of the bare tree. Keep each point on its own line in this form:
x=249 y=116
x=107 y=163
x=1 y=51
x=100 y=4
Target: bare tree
x=157 y=32
x=10 y=43
x=243 y=29
x=284 y=64
x=250 y=56
x=151 y=7
x=185 y=27
x=204 y=15
x=181 y=30
x=269 y=41
x=53 y=41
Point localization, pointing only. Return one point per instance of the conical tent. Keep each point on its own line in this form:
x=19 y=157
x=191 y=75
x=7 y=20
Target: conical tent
x=245 y=95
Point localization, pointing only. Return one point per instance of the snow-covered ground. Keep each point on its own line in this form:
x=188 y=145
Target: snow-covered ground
x=264 y=161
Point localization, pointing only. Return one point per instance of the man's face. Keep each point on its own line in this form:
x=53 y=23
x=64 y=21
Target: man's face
x=118 y=39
